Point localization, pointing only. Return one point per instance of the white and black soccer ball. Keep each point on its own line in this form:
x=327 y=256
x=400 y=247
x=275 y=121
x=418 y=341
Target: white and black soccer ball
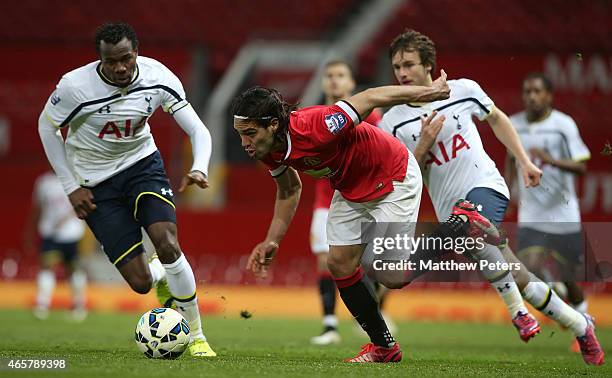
x=162 y=333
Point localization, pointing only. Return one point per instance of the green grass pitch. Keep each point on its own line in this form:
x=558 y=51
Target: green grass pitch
x=103 y=346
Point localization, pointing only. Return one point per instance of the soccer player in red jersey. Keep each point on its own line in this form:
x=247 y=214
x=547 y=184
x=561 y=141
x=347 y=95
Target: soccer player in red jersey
x=374 y=175
x=337 y=83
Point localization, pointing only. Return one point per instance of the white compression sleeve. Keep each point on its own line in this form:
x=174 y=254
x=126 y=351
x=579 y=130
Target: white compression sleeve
x=53 y=144
x=201 y=142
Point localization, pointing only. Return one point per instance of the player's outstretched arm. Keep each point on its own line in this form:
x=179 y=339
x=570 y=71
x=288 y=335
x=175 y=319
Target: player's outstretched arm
x=505 y=133
x=201 y=144
x=364 y=102
x=53 y=143
x=288 y=191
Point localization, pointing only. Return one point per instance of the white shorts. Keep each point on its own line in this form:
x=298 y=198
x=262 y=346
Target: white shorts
x=318 y=232
x=401 y=206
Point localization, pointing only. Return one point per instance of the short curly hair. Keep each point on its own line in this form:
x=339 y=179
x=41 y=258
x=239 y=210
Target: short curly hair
x=115 y=32
x=412 y=40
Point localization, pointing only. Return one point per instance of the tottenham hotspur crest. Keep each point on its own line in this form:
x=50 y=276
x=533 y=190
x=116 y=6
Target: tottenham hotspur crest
x=148 y=100
x=456 y=118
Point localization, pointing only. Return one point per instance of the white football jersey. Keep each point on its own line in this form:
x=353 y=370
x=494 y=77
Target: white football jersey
x=547 y=206
x=108 y=128
x=457 y=162
x=57 y=218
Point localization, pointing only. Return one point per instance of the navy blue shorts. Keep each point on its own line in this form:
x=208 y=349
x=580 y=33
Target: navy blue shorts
x=494 y=204
x=136 y=197
x=568 y=249
x=67 y=251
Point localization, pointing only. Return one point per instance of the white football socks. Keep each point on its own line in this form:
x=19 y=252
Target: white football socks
x=502 y=280
x=182 y=285
x=157 y=270
x=545 y=300
x=78 y=283
x=46 y=285
x=330 y=321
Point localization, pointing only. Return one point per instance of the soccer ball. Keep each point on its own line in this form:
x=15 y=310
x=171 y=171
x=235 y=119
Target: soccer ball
x=162 y=333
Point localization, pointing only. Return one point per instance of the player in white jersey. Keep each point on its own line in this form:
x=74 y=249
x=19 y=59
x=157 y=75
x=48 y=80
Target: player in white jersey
x=549 y=216
x=60 y=232
x=112 y=171
x=455 y=165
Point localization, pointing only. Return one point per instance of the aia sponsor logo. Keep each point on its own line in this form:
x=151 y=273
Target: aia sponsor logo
x=457 y=144
x=112 y=128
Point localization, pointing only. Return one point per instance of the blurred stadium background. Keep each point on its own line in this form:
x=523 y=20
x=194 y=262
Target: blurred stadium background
x=217 y=48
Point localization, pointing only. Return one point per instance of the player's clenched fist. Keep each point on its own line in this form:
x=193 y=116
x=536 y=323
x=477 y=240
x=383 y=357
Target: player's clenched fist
x=441 y=87
x=82 y=202
x=531 y=174
x=261 y=258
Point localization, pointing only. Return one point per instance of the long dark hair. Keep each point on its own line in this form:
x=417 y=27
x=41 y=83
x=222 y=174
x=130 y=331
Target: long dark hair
x=261 y=105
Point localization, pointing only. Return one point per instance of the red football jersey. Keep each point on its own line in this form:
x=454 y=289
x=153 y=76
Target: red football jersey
x=361 y=162
x=374 y=118
x=323 y=190
x=323 y=194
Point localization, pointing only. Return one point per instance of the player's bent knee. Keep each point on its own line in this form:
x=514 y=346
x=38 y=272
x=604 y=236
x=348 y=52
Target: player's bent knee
x=340 y=267
x=163 y=236
x=322 y=262
x=334 y=267
x=393 y=284
x=141 y=289
x=140 y=281
x=395 y=279
x=168 y=252
x=521 y=277
x=141 y=284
